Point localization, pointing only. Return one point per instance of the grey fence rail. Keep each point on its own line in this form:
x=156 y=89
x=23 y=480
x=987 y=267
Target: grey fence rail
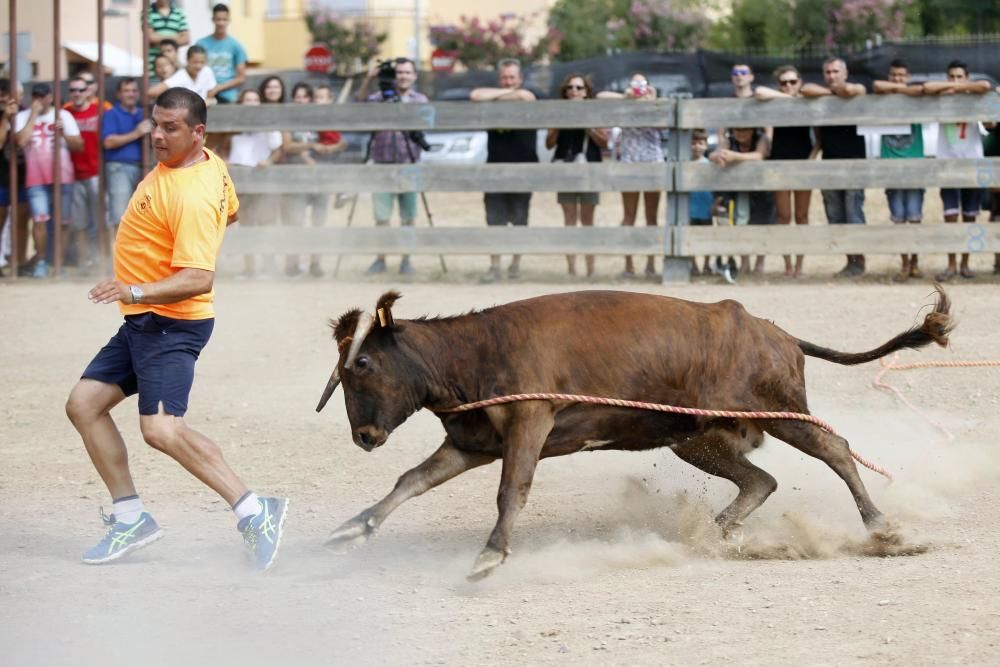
x=677 y=177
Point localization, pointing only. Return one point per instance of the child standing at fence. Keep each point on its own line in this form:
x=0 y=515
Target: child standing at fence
x=749 y=208
x=700 y=203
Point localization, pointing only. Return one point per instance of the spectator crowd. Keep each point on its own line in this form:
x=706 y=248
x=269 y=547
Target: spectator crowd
x=215 y=68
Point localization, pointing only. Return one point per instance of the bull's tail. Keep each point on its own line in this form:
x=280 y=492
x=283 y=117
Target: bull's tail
x=935 y=329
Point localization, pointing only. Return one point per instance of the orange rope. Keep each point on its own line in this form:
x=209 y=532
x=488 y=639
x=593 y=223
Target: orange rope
x=660 y=407
x=893 y=366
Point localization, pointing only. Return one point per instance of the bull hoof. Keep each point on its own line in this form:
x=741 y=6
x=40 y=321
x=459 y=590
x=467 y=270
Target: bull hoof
x=487 y=561
x=351 y=534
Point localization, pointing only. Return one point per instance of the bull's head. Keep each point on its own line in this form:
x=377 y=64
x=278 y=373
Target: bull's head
x=381 y=381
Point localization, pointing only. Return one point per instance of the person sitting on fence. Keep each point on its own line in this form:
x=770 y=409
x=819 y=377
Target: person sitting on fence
x=638 y=144
x=226 y=57
x=841 y=142
x=36 y=129
x=122 y=133
x=299 y=148
x=258 y=150
x=790 y=143
x=700 y=202
x=195 y=76
x=507 y=146
x=747 y=144
x=577 y=145
x=167 y=22
x=961 y=141
x=171 y=51
x=394 y=147
x=905 y=205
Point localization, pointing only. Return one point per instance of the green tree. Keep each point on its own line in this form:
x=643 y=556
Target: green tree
x=587 y=27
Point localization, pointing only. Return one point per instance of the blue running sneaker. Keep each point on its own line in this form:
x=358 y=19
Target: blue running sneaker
x=123 y=538
x=262 y=532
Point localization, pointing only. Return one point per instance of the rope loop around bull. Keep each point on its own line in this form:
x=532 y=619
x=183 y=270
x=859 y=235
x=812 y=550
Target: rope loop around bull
x=662 y=407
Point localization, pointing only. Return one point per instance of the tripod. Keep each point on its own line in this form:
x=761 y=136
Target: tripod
x=423 y=199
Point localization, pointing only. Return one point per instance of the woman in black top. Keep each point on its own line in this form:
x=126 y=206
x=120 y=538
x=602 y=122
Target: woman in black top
x=790 y=143
x=577 y=145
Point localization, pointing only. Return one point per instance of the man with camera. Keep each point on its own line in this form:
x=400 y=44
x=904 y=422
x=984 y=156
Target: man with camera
x=395 y=84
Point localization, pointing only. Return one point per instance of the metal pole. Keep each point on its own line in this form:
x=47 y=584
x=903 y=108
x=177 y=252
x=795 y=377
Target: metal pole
x=145 y=84
x=102 y=228
x=57 y=139
x=15 y=218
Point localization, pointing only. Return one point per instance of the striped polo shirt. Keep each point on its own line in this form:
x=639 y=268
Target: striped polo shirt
x=172 y=25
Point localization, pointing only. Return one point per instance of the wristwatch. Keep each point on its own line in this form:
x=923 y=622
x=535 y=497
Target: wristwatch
x=136 y=292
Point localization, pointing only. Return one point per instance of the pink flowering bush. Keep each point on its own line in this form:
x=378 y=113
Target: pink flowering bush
x=854 y=21
x=347 y=39
x=665 y=25
x=480 y=44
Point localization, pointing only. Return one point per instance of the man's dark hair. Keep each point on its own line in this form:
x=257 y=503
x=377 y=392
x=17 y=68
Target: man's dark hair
x=958 y=64
x=182 y=98
x=195 y=50
x=699 y=135
x=833 y=59
x=125 y=81
x=219 y=8
x=899 y=63
x=401 y=60
x=170 y=42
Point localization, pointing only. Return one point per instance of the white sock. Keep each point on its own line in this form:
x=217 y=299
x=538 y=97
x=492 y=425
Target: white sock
x=248 y=505
x=127 y=509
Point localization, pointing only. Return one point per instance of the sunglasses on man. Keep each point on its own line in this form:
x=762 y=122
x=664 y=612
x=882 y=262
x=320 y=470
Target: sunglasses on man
x=740 y=71
x=788 y=82
x=576 y=88
x=78 y=90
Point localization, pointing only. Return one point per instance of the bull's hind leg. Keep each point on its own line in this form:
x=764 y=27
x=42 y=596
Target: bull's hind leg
x=721 y=454
x=832 y=450
x=445 y=463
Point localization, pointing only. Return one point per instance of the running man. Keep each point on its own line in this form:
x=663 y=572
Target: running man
x=164 y=263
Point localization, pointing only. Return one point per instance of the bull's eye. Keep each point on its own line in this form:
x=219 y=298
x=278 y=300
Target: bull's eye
x=362 y=362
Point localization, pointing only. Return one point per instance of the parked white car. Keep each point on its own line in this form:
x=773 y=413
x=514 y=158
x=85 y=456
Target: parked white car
x=468 y=147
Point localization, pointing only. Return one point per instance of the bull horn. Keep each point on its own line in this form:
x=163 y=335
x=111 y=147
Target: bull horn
x=331 y=386
x=361 y=331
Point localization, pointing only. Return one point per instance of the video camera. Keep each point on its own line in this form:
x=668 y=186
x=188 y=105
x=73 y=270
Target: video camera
x=387 y=88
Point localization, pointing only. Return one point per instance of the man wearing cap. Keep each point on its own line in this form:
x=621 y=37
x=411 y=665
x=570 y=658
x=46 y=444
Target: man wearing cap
x=165 y=253
x=36 y=129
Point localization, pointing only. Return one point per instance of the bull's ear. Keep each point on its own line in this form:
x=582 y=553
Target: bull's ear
x=346 y=325
x=383 y=309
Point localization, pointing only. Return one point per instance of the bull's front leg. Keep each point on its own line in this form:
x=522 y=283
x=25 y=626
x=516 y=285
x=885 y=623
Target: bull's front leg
x=445 y=463
x=524 y=435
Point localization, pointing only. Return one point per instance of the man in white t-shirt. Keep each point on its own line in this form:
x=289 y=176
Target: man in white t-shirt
x=194 y=76
x=36 y=129
x=959 y=140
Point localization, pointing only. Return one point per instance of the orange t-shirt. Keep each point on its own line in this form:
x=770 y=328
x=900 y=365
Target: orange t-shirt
x=176 y=219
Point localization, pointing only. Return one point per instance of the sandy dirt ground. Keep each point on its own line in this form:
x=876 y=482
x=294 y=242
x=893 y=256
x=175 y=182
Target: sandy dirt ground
x=615 y=560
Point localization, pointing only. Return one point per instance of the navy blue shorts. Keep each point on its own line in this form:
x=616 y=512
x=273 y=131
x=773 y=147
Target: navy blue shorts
x=153 y=356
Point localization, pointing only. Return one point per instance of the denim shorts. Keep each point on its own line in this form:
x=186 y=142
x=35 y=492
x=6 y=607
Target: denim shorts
x=906 y=205
x=382 y=202
x=844 y=207
x=153 y=356
x=966 y=200
x=41 y=204
x=22 y=196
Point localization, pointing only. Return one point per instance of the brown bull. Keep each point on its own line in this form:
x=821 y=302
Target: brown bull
x=617 y=344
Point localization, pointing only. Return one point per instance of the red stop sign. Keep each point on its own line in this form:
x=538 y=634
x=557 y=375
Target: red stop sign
x=443 y=61
x=319 y=59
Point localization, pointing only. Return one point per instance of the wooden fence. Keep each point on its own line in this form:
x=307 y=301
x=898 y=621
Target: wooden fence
x=677 y=177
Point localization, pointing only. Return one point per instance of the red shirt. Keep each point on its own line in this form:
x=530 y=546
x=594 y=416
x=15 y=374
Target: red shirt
x=85 y=162
x=329 y=137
